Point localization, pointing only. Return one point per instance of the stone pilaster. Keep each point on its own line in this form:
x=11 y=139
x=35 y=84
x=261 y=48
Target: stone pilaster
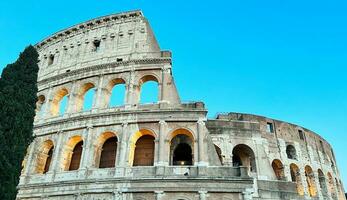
x=201 y=142
x=159 y=195
x=161 y=145
x=123 y=146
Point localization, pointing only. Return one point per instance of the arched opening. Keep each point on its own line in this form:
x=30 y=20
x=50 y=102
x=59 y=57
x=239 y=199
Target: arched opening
x=219 y=153
x=40 y=106
x=117 y=92
x=310 y=181
x=331 y=187
x=85 y=97
x=243 y=155
x=142 y=148
x=291 y=152
x=181 y=148
x=76 y=156
x=108 y=153
x=322 y=183
x=278 y=168
x=72 y=153
x=296 y=177
x=144 y=151
x=44 y=157
x=59 y=102
x=149 y=90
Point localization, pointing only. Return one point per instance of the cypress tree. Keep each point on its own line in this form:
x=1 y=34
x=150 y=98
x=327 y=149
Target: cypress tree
x=18 y=96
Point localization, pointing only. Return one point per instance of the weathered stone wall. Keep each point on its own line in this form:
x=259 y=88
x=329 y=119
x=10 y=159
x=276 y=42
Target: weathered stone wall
x=232 y=156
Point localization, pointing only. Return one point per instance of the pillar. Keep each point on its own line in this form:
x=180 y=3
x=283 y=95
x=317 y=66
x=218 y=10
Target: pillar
x=123 y=146
x=201 y=144
x=71 y=107
x=98 y=100
x=159 y=195
x=161 y=145
x=202 y=195
x=86 y=152
x=57 y=153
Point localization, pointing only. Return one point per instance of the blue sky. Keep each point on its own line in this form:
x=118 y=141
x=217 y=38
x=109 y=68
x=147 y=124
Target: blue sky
x=282 y=59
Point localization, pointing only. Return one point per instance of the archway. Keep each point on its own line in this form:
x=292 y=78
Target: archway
x=310 y=181
x=149 y=89
x=243 y=155
x=278 y=168
x=59 y=102
x=72 y=153
x=85 y=98
x=40 y=106
x=296 y=177
x=116 y=90
x=322 y=183
x=181 y=148
x=44 y=157
x=142 y=148
x=107 y=150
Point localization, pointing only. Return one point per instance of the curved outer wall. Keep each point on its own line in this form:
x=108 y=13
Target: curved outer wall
x=130 y=151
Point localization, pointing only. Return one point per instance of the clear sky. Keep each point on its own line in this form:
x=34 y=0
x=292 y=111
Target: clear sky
x=282 y=59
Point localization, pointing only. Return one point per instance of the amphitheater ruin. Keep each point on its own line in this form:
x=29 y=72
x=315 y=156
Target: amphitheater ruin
x=165 y=150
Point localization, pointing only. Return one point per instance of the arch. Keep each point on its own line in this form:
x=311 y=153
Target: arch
x=312 y=190
x=85 y=97
x=322 y=183
x=106 y=150
x=181 y=147
x=72 y=153
x=296 y=177
x=278 y=168
x=291 y=152
x=331 y=186
x=219 y=153
x=149 y=89
x=57 y=100
x=243 y=155
x=114 y=96
x=40 y=106
x=142 y=148
x=44 y=157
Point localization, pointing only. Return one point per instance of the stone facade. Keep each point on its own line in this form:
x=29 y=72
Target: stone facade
x=166 y=150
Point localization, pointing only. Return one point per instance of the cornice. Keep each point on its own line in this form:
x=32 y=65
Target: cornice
x=90 y=24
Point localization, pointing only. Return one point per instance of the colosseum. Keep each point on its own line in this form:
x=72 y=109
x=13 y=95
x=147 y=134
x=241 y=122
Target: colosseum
x=166 y=150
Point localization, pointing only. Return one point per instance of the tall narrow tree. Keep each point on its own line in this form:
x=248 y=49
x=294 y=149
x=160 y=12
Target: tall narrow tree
x=18 y=96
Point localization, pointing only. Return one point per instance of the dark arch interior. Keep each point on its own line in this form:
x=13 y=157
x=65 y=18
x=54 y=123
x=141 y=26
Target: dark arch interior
x=144 y=151
x=76 y=156
x=48 y=161
x=237 y=161
x=183 y=155
x=108 y=154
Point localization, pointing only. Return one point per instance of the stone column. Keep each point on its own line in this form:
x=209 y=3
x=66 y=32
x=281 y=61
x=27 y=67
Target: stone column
x=47 y=112
x=85 y=158
x=201 y=144
x=161 y=145
x=131 y=96
x=159 y=195
x=123 y=146
x=247 y=194
x=71 y=107
x=117 y=195
x=202 y=195
x=97 y=103
x=57 y=153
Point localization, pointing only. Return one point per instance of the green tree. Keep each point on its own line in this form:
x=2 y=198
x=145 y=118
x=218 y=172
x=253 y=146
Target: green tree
x=18 y=96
